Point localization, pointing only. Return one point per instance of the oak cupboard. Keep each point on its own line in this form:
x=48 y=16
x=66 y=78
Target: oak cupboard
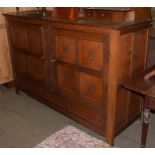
x=77 y=66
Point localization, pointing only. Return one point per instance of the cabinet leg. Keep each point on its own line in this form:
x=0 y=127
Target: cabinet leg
x=110 y=140
x=146 y=117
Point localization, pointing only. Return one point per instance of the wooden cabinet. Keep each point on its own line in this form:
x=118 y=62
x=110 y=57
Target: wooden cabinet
x=77 y=67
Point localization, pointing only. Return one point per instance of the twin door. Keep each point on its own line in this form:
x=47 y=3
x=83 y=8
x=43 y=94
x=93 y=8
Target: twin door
x=80 y=65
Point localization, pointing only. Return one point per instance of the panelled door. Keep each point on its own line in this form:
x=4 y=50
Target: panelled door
x=81 y=72
x=28 y=52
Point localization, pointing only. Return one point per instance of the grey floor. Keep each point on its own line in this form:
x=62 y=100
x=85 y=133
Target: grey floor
x=25 y=122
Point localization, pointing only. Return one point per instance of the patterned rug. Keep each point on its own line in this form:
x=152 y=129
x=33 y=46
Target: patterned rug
x=71 y=137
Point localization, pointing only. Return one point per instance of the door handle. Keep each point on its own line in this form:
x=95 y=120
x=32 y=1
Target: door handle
x=53 y=61
x=42 y=58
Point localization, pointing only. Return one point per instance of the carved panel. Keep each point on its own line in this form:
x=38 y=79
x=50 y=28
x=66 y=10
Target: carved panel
x=91 y=87
x=91 y=54
x=67 y=78
x=66 y=49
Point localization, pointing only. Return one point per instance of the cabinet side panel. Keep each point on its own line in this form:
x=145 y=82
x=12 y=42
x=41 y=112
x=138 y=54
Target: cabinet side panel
x=124 y=73
x=140 y=51
x=138 y=65
x=132 y=61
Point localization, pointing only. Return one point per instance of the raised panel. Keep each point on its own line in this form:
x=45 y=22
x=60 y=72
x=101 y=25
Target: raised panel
x=140 y=46
x=91 y=54
x=134 y=106
x=125 y=59
x=19 y=36
x=27 y=37
x=35 y=68
x=35 y=43
x=91 y=87
x=67 y=79
x=66 y=49
x=20 y=60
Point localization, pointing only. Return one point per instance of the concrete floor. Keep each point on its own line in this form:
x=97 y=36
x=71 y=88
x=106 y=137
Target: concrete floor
x=25 y=122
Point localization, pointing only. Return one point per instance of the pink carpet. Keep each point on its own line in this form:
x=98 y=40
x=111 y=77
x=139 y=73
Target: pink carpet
x=71 y=137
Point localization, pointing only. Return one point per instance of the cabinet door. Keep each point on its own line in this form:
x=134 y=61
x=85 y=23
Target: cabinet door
x=82 y=64
x=27 y=43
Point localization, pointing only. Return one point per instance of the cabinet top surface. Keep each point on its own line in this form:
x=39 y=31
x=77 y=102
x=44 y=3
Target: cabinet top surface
x=33 y=15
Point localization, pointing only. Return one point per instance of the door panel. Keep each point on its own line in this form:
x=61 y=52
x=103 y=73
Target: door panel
x=35 y=42
x=27 y=37
x=20 y=60
x=35 y=67
x=67 y=79
x=19 y=36
x=28 y=51
x=91 y=87
x=91 y=54
x=66 y=49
